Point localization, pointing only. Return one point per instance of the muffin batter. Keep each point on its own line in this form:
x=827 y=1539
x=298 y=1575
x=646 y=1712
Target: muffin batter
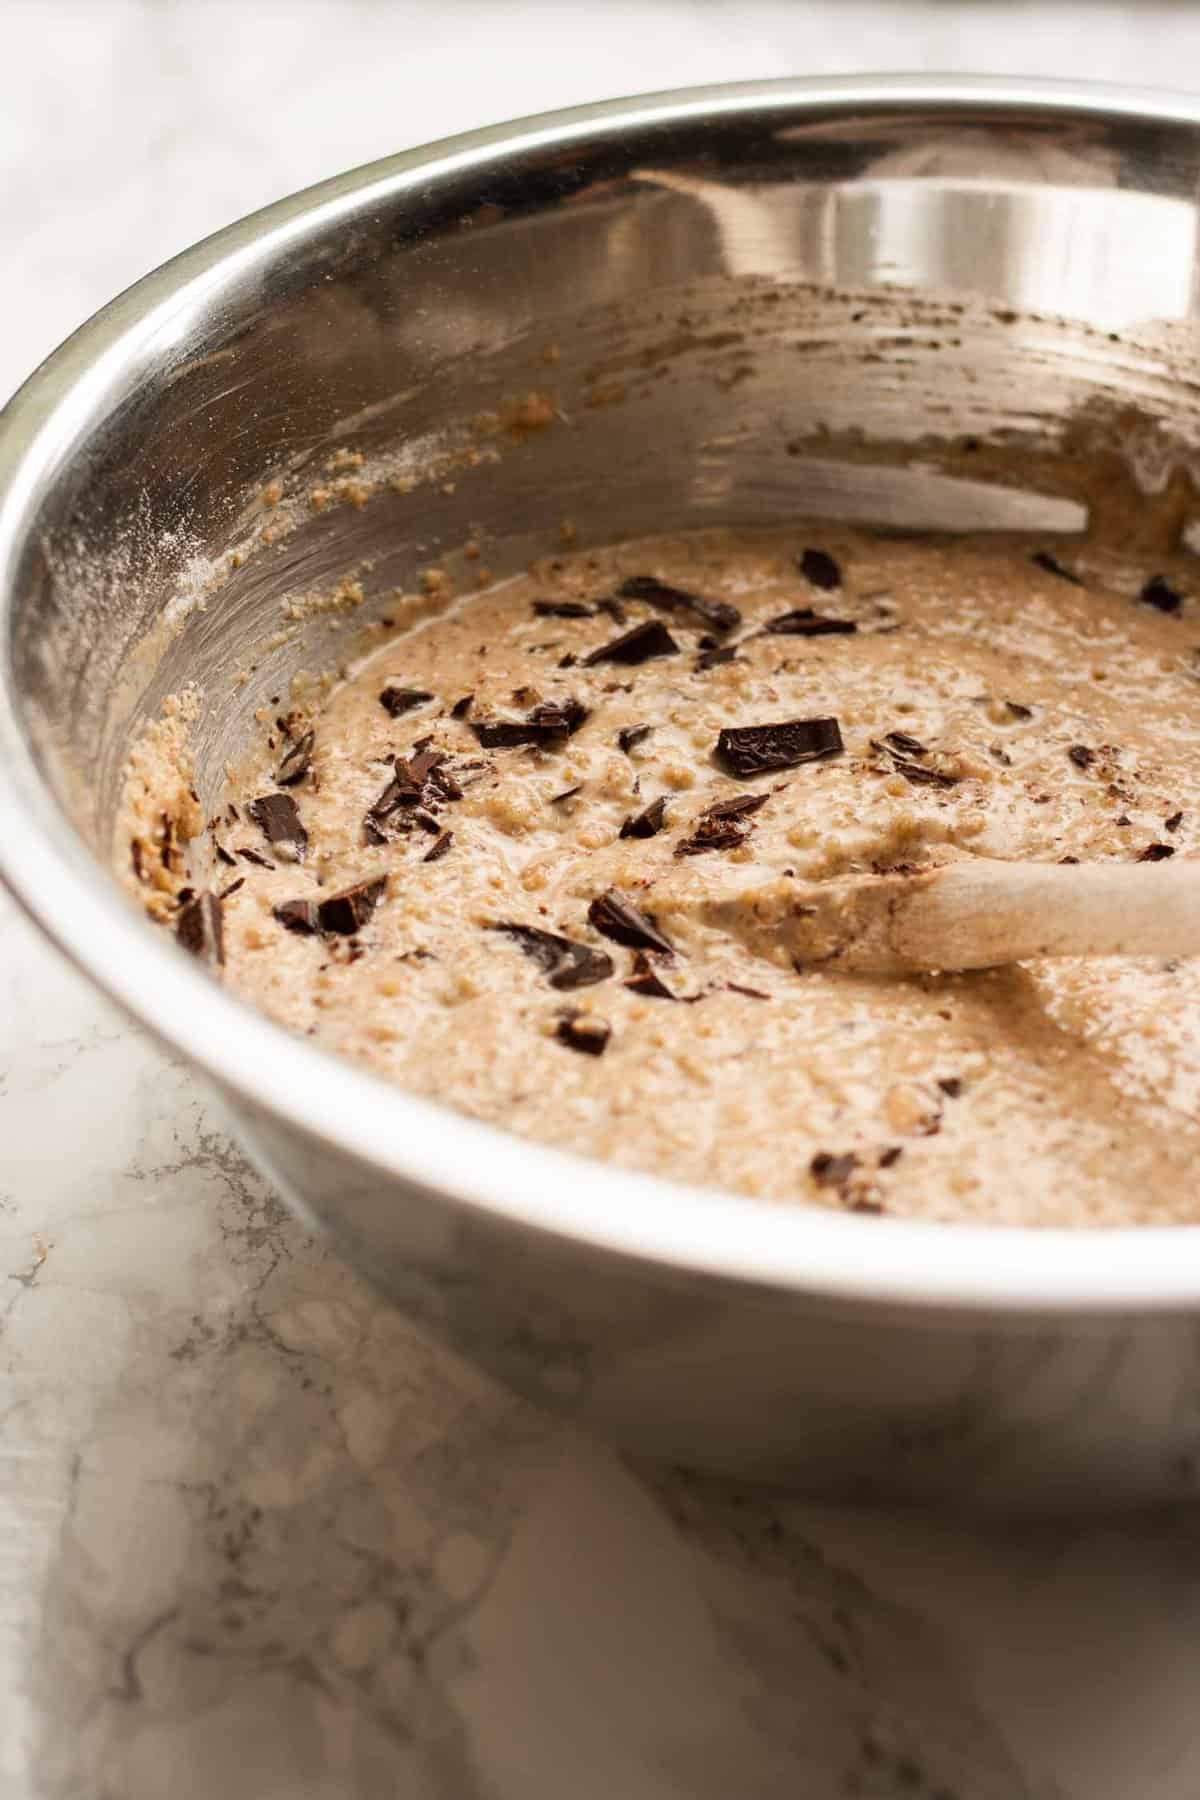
x=471 y=870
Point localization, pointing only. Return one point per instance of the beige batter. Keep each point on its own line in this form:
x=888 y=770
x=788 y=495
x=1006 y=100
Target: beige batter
x=986 y=704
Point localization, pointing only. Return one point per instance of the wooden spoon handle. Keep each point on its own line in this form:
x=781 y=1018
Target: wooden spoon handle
x=975 y=914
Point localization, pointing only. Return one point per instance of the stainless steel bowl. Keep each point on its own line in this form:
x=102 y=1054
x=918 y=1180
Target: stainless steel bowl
x=745 y=289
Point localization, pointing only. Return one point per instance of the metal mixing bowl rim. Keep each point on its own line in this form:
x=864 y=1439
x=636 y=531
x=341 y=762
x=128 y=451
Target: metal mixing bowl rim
x=799 y=1250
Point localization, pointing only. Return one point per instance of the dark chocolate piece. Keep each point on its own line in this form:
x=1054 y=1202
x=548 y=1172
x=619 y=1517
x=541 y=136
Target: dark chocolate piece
x=219 y=851
x=891 y=1156
x=735 y=987
x=348 y=911
x=1018 y=709
x=1081 y=756
x=917 y=775
x=616 y=918
x=1174 y=822
x=718 y=614
x=754 y=749
x=567 y=963
x=907 y=746
x=583 y=1032
x=833 y=1171
x=632 y=735
x=462 y=707
x=804 y=622
x=253 y=856
x=818 y=567
x=715 y=656
x=719 y=826
x=645 y=641
x=546 y=723
x=1156 y=852
x=951 y=1086
x=568 y=661
x=200 y=929
x=233 y=887
x=612 y=606
x=297 y=915
x=420 y=783
x=647 y=981
x=396 y=700
x=440 y=848
x=1159 y=593
x=649 y=822
x=567 y=794
x=563 y=609
x=740 y=807
x=279 y=821
x=296 y=763
x=1052 y=566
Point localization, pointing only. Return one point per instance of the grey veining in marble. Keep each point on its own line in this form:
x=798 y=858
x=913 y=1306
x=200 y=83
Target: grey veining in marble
x=257 y=1539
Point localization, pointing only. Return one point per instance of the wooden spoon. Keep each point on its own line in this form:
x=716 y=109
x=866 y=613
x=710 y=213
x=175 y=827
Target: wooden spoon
x=962 y=915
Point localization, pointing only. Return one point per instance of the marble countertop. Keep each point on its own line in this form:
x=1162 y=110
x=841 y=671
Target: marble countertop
x=258 y=1540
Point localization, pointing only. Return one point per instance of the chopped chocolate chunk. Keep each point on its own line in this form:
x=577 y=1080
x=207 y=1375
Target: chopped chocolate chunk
x=297 y=762
x=436 y=853
x=396 y=700
x=719 y=826
x=222 y=855
x=279 y=821
x=426 y=821
x=754 y=749
x=297 y=915
x=1001 y=755
x=580 y=1031
x=1174 y=822
x=1082 y=756
x=951 y=1086
x=713 y=658
x=551 y=720
x=907 y=746
x=253 y=856
x=819 y=568
x=633 y=735
x=833 y=1171
x=1159 y=593
x=740 y=807
x=567 y=963
x=649 y=822
x=568 y=661
x=735 y=987
x=1018 y=709
x=462 y=707
x=200 y=928
x=1156 y=852
x=647 y=981
x=233 y=887
x=612 y=606
x=567 y=794
x=616 y=918
x=347 y=912
x=563 y=609
x=1052 y=566
x=891 y=1156
x=136 y=853
x=917 y=775
x=1069 y=859
x=719 y=614
x=650 y=639
x=804 y=622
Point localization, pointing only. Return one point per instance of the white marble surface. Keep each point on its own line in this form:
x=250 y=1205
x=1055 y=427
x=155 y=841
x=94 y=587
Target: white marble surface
x=257 y=1540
